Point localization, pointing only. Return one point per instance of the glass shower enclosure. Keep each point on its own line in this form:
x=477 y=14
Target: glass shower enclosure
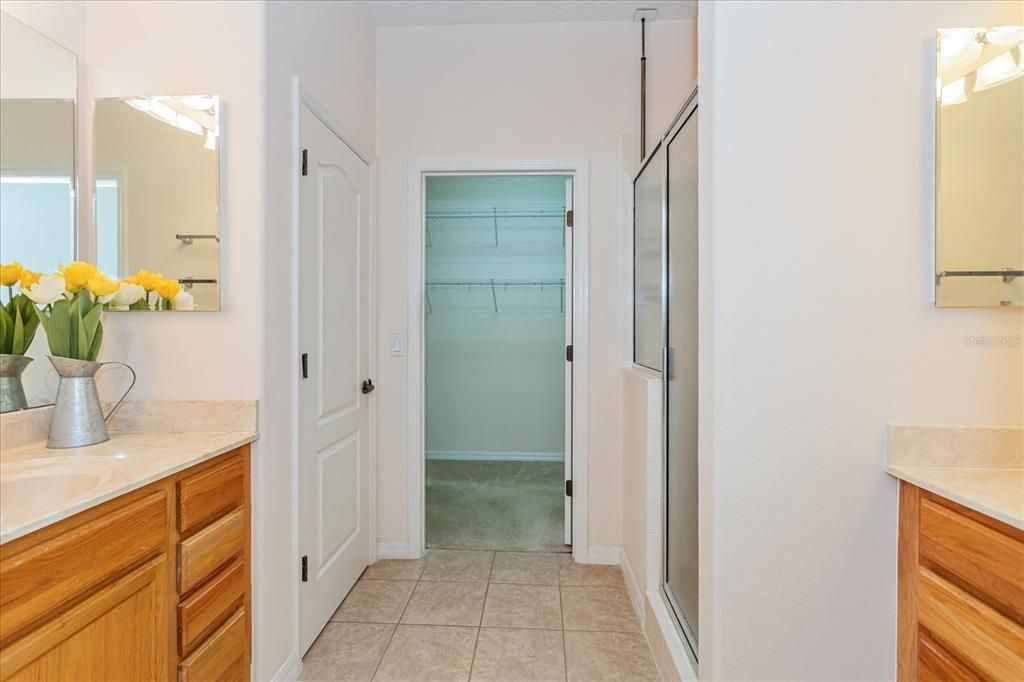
x=666 y=277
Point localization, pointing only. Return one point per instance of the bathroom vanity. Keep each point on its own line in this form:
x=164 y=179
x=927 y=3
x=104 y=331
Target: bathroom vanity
x=961 y=556
x=144 y=575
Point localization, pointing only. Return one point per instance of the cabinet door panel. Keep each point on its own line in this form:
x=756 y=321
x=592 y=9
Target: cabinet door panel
x=42 y=579
x=119 y=633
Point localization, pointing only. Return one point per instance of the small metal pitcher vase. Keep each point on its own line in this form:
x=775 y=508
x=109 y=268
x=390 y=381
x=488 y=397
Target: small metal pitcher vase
x=12 y=391
x=78 y=418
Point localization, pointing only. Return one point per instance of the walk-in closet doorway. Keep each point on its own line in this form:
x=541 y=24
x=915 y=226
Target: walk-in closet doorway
x=496 y=360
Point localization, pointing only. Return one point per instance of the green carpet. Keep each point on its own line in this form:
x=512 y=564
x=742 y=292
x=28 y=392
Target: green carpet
x=495 y=505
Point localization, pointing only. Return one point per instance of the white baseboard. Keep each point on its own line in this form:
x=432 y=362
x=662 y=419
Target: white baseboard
x=392 y=550
x=290 y=669
x=636 y=595
x=671 y=654
x=465 y=456
x=604 y=554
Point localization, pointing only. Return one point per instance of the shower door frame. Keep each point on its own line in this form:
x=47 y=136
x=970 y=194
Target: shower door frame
x=419 y=170
x=683 y=627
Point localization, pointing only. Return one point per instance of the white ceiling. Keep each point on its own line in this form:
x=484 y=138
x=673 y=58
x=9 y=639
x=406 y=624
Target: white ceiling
x=435 y=12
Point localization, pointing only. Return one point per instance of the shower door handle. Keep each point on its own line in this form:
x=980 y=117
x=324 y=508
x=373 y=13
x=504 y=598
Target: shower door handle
x=368 y=387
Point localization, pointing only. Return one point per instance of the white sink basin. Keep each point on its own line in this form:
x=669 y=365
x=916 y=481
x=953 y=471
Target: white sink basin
x=28 y=489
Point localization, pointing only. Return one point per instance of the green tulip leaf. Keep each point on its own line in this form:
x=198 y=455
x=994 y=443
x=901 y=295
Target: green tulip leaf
x=82 y=347
x=29 y=318
x=58 y=328
x=6 y=331
x=18 y=336
x=97 y=341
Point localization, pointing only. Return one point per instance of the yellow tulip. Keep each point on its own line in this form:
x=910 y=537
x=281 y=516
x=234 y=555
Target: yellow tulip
x=168 y=288
x=10 y=273
x=102 y=286
x=28 y=278
x=77 y=274
x=145 y=279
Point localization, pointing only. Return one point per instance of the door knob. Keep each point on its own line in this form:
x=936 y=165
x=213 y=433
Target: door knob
x=368 y=386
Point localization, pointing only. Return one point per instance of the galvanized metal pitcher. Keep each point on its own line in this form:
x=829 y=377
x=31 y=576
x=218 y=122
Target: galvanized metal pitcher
x=12 y=391
x=78 y=418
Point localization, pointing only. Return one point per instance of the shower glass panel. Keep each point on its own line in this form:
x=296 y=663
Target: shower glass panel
x=681 y=381
x=648 y=202
x=495 y=323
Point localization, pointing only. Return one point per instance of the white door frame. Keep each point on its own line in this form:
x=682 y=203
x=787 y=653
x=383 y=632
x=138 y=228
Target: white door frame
x=418 y=170
x=303 y=96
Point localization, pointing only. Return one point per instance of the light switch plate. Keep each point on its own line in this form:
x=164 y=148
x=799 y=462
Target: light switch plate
x=397 y=345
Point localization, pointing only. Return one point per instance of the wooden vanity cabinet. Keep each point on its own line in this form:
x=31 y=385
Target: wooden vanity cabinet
x=152 y=585
x=961 y=592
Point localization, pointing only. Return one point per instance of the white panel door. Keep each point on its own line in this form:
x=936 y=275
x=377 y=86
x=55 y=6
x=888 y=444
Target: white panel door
x=568 y=307
x=334 y=435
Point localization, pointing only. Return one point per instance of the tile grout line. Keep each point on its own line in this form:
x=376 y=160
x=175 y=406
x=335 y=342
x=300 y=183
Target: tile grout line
x=561 y=608
x=483 y=607
x=387 y=646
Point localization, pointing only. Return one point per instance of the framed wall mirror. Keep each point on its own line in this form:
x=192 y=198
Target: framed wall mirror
x=38 y=90
x=979 y=167
x=157 y=193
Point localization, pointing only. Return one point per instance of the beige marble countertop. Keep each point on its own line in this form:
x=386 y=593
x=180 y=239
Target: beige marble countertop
x=998 y=493
x=979 y=467
x=39 y=487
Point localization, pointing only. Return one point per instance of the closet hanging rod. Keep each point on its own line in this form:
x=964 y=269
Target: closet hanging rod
x=495 y=282
x=497 y=212
x=493 y=285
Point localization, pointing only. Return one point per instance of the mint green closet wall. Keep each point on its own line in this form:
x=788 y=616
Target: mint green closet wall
x=495 y=380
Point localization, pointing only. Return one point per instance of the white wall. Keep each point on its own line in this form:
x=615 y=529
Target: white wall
x=542 y=91
x=817 y=147
x=177 y=356
x=330 y=46
x=642 y=479
x=200 y=355
x=31 y=67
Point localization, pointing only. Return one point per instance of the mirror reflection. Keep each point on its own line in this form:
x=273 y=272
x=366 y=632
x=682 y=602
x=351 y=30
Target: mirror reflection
x=157 y=192
x=38 y=86
x=979 y=253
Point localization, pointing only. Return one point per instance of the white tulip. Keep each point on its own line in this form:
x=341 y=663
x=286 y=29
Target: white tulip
x=47 y=291
x=183 y=301
x=128 y=295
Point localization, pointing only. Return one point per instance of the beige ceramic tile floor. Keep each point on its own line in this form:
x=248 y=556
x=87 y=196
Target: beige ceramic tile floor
x=480 y=615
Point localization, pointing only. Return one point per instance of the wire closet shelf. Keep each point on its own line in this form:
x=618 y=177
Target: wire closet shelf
x=494 y=285
x=503 y=217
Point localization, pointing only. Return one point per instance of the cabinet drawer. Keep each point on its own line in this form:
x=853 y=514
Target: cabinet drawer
x=224 y=657
x=974 y=632
x=935 y=664
x=53 y=574
x=209 y=605
x=206 y=495
x=202 y=554
x=982 y=557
